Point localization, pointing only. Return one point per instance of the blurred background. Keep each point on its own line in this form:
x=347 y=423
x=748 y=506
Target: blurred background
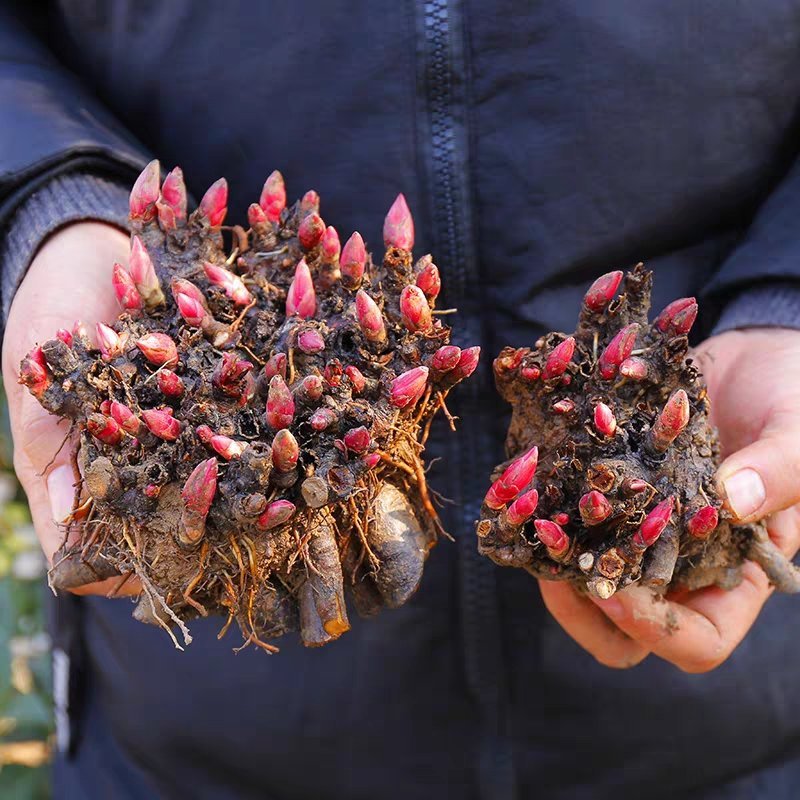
x=26 y=723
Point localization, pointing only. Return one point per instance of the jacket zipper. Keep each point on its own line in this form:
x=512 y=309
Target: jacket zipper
x=444 y=82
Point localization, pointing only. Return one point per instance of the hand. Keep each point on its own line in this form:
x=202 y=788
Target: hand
x=754 y=384
x=69 y=279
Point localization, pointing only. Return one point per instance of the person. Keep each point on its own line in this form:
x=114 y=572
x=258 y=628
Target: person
x=539 y=146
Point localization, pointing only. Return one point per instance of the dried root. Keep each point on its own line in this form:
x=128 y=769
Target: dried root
x=612 y=477
x=251 y=427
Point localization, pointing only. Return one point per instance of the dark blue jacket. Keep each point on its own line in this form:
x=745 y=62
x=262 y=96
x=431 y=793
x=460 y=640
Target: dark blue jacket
x=539 y=144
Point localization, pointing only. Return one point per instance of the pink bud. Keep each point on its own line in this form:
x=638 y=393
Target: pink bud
x=634 y=368
x=143 y=273
x=523 y=508
x=152 y=491
x=467 y=363
x=678 y=317
x=654 y=524
x=145 y=193
x=33 y=373
x=170 y=383
x=669 y=424
x=109 y=341
x=172 y=203
x=617 y=350
x=561 y=518
x=273 y=196
x=277 y=513
x=558 y=360
x=513 y=480
x=158 y=349
x=429 y=281
x=200 y=487
x=530 y=374
x=634 y=485
x=276 y=365
x=703 y=522
x=398 y=227
x=301 y=298
x=205 y=434
x=310 y=342
x=594 y=508
x=230 y=373
x=371 y=460
x=256 y=215
x=310 y=202
x=230 y=283
x=214 y=205
x=604 y=421
x=357 y=381
x=331 y=247
x=333 y=372
x=353 y=260
x=105 y=407
x=63 y=335
x=182 y=286
x=191 y=310
x=125 y=289
x=322 y=418
x=280 y=404
x=370 y=319
x=445 y=358
x=161 y=423
x=564 y=406
x=226 y=447
x=285 y=451
x=126 y=419
x=415 y=309
x=312 y=387
x=357 y=439
x=409 y=387
x=602 y=290
x=552 y=536
x=310 y=231
x=104 y=429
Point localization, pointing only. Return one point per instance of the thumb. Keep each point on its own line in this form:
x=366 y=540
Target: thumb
x=764 y=477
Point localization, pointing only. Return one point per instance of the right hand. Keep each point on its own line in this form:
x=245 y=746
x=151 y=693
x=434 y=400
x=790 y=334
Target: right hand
x=68 y=279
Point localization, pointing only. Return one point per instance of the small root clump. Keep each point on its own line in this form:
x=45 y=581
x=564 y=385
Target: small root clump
x=611 y=477
x=249 y=433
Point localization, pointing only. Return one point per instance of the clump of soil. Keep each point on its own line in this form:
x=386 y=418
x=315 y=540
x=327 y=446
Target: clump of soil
x=249 y=433
x=611 y=477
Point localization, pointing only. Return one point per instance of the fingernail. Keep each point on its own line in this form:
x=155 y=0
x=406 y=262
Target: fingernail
x=61 y=490
x=611 y=607
x=745 y=492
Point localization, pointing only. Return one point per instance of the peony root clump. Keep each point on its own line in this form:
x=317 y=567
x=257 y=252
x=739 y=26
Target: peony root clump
x=613 y=457
x=248 y=434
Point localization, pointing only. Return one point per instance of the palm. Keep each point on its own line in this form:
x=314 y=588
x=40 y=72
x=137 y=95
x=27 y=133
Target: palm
x=69 y=279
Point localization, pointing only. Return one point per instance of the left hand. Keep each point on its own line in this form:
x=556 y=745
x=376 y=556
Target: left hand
x=753 y=381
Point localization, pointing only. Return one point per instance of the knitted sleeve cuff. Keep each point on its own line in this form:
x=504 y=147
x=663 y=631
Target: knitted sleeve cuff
x=67 y=198
x=776 y=305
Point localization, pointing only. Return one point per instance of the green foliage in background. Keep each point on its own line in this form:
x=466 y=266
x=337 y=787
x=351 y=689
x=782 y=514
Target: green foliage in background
x=26 y=722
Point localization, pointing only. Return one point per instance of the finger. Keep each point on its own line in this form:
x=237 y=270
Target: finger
x=763 y=477
x=589 y=627
x=698 y=634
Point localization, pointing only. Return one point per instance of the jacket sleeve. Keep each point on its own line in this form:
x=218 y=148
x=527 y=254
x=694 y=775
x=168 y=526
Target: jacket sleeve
x=51 y=126
x=758 y=284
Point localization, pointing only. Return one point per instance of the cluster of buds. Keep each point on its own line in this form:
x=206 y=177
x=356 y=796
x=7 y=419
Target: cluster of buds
x=630 y=493
x=257 y=379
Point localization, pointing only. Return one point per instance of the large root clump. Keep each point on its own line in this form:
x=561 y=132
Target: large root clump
x=249 y=431
x=612 y=477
